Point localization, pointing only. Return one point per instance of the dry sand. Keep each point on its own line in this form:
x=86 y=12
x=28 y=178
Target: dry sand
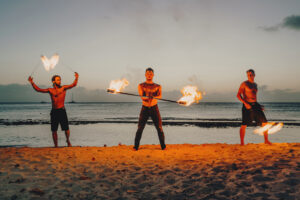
x=211 y=171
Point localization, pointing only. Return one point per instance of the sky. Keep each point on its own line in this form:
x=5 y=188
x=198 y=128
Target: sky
x=209 y=43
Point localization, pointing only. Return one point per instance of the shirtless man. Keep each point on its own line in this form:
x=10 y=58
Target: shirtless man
x=251 y=111
x=149 y=108
x=58 y=113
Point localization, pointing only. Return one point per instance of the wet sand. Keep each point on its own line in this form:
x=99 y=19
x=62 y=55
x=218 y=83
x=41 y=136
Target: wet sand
x=183 y=171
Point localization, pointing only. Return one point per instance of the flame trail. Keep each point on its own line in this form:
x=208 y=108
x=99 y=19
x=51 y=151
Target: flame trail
x=271 y=127
x=275 y=128
x=50 y=63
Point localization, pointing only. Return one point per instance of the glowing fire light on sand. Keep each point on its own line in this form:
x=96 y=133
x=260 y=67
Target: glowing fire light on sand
x=116 y=86
x=50 y=63
x=190 y=95
x=271 y=127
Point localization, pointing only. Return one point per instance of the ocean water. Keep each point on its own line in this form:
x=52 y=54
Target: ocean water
x=97 y=124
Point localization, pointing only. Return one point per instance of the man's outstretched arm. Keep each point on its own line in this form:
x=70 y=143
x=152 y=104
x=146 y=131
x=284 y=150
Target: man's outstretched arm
x=35 y=87
x=73 y=84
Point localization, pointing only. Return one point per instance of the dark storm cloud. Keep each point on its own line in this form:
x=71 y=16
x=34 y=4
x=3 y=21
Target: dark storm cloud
x=290 y=22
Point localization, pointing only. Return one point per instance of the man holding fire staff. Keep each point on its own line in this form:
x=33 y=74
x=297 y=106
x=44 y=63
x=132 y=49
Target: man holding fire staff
x=58 y=112
x=149 y=93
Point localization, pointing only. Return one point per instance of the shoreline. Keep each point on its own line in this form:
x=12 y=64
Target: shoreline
x=183 y=171
x=213 y=123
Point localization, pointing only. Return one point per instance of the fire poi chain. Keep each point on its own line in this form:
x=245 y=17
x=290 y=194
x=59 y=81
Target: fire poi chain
x=49 y=64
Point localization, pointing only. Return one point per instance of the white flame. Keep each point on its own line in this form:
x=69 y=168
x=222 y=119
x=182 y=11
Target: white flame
x=190 y=95
x=271 y=127
x=118 y=85
x=275 y=128
x=50 y=63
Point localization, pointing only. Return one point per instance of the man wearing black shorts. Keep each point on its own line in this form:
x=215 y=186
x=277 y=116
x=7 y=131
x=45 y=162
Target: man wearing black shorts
x=58 y=113
x=251 y=111
x=148 y=90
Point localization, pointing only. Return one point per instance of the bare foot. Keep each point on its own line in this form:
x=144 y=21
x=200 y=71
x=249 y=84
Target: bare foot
x=69 y=144
x=268 y=142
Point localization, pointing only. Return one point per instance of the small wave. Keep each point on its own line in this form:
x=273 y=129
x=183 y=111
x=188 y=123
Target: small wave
x=206 y=123
x=19 y=146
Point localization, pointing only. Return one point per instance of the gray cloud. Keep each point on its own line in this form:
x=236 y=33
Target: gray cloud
x=290 y=22
x=270 y=28
x=278 y=95
x=25 y=93
x=20 y=93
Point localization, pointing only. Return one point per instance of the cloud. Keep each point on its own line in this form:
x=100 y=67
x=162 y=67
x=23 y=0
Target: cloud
x=278 y=95
x=289 y=22
x=292 y=22
x=25 y=93
x=270 y=28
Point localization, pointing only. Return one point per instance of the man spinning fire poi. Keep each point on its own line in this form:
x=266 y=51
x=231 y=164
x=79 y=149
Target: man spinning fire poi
x=149 y=108
x=58 y=112
x=251 y=111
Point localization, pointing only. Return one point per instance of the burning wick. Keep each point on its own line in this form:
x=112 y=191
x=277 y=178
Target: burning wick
x=271 y=127
x=111 y=91
x=182 y=103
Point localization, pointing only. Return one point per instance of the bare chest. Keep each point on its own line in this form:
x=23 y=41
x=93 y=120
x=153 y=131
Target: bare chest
x=58 y=92
x=250 y=88
x=150 y=89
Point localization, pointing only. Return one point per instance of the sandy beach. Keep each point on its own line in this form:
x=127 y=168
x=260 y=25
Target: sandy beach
x=208 y=171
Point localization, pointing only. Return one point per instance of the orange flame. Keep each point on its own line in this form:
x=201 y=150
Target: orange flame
x=190 y=95
x=271 y=127
x=50 y=63
x=117 y=85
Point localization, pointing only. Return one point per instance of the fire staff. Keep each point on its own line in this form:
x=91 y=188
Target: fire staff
x=251 y=111
x=58 y=113
x=148 y=91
